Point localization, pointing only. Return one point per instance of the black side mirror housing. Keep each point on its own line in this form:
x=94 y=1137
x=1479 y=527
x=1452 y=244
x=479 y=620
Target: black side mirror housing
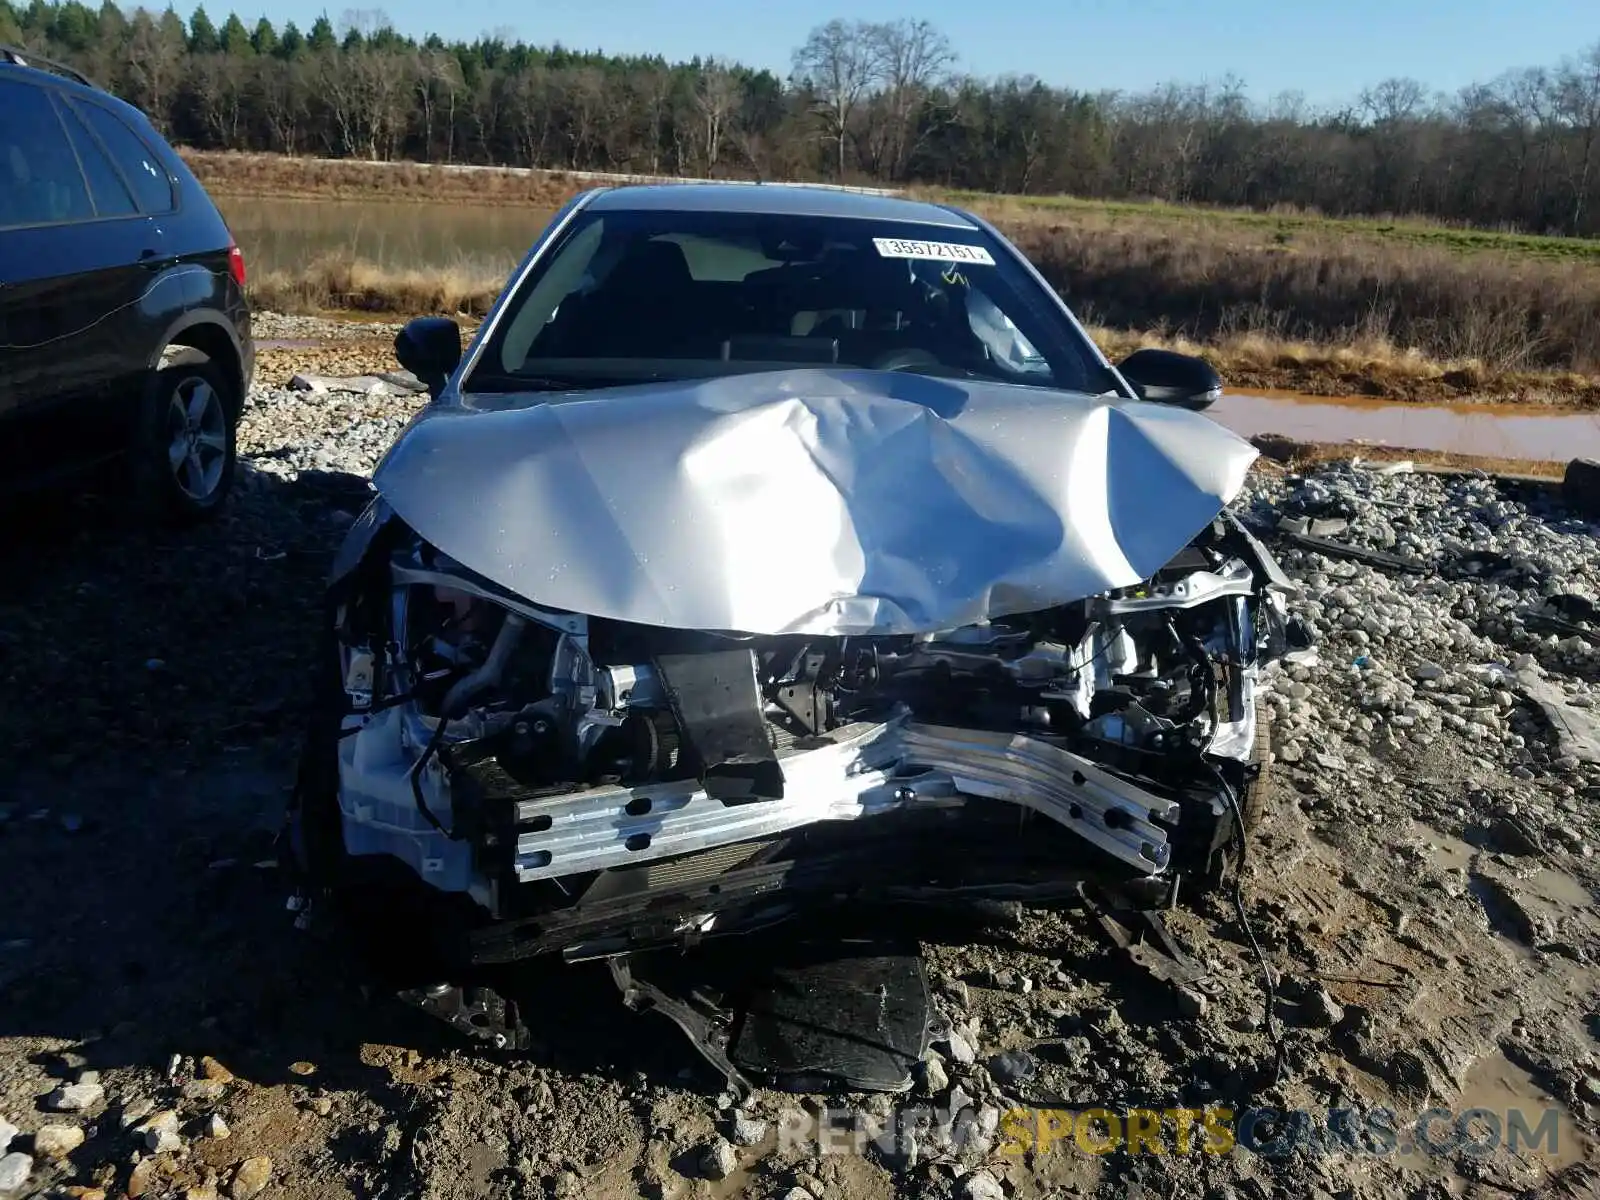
x=430 y=348
x=1167 y=377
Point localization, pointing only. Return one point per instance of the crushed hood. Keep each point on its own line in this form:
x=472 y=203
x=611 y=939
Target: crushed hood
x=833 y=501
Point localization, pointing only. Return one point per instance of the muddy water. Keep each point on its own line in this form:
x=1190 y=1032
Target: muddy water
x=289 y=235
x=1486 y=430
x=1514 y=1120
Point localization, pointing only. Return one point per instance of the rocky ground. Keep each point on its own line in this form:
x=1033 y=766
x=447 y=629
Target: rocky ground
x=1423 y=891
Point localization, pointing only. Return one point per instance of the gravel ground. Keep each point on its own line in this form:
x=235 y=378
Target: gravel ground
x=1424 y=891
x=286 y=346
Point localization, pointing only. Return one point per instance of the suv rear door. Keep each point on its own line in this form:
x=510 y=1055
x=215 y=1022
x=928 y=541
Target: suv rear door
x=74 y=269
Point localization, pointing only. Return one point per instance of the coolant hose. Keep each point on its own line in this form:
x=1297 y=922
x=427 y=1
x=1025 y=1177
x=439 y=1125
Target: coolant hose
x=457 y=699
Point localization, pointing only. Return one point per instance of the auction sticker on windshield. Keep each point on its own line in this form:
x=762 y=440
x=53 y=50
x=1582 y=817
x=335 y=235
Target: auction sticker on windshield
x=933 y=251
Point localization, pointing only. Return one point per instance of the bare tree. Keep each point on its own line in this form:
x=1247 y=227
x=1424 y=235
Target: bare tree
x=218 y=83
x=657 y=89
x=1393 y=107
x=624 y=122
x=531 y=95
x=155 y=63
x=387 y=81
x=911 y=57
x=1528 y=96
x=586 y=100
x=485 y=111
x=1393 y=101
x=365 y=21
x=337 y=89
x=1288 y=108
x=839 y=65
x=716 y=98
x=281 y=90
x=363 y=91
x=438 y=79
x=1578 y=101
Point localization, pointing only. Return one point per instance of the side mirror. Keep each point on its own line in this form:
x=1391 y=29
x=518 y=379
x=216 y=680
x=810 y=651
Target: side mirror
x=1167 y=377
x=430 y=348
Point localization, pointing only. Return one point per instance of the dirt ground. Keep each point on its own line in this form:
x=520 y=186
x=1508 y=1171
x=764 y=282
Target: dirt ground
x=1426 y=953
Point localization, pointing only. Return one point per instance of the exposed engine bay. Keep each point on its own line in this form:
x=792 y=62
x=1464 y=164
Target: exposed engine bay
x=583 y=781
x=580 y=700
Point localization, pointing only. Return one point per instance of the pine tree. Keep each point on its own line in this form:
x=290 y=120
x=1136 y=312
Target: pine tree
x=292 y=42
x=235 y=37
x=10 y=26
x=265 y=39
x=321 y=37
x=202 y=33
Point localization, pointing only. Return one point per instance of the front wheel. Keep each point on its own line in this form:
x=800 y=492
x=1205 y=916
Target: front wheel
x=184 y=450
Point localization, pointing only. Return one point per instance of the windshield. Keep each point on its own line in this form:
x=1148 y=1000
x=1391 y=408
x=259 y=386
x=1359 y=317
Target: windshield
x=627 y=297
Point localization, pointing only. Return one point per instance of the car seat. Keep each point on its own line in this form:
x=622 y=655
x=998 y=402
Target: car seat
x=644 y=307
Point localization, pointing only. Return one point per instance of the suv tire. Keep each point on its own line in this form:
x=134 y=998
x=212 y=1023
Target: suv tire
x=184 y=448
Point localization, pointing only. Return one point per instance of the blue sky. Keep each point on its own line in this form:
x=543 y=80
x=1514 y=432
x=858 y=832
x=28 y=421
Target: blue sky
x=1327 y=49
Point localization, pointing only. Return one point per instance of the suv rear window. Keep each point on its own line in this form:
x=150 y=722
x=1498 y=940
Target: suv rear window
x=111 y=198
x=40 y=183
x=151 y=184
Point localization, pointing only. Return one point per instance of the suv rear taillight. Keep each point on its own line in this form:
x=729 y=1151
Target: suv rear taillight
x=235 y=262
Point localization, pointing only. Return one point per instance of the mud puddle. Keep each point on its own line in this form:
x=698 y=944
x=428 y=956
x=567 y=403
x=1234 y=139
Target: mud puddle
x=1527 y=904
x=1480 y=430
x=1501 y=1113
x=1544 y=885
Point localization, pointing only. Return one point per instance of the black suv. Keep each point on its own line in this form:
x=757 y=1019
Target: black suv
x=124 y=334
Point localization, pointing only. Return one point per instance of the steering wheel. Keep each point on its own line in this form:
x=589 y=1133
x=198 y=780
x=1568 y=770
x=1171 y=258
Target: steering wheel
x=908 y=358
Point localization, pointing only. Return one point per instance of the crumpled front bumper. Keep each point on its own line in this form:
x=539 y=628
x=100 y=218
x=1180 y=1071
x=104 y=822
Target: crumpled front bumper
x=869 y=769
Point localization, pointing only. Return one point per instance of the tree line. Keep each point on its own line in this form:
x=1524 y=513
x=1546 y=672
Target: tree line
x=864 y=101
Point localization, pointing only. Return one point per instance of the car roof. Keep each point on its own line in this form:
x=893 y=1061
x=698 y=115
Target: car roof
x=29 y=63
x=776 y=199
x=50 y=76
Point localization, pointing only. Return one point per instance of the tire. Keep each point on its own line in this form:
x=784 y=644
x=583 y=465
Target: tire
x=1256 y=803
x=184 y=449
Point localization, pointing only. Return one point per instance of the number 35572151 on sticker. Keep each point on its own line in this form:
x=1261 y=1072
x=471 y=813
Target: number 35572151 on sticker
x=933 y=251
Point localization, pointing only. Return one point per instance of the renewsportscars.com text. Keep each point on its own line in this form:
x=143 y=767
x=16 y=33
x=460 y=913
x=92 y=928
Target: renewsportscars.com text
x=1269 y=1132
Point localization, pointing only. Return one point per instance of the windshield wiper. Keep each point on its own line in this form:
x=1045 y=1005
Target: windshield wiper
x=492 y=382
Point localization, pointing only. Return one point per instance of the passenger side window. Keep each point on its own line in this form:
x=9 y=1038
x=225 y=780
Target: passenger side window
x=110 y=194
x=151 y=184
x=40 y=183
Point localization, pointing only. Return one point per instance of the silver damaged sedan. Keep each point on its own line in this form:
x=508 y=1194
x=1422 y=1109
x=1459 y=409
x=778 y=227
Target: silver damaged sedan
x=774 y=552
